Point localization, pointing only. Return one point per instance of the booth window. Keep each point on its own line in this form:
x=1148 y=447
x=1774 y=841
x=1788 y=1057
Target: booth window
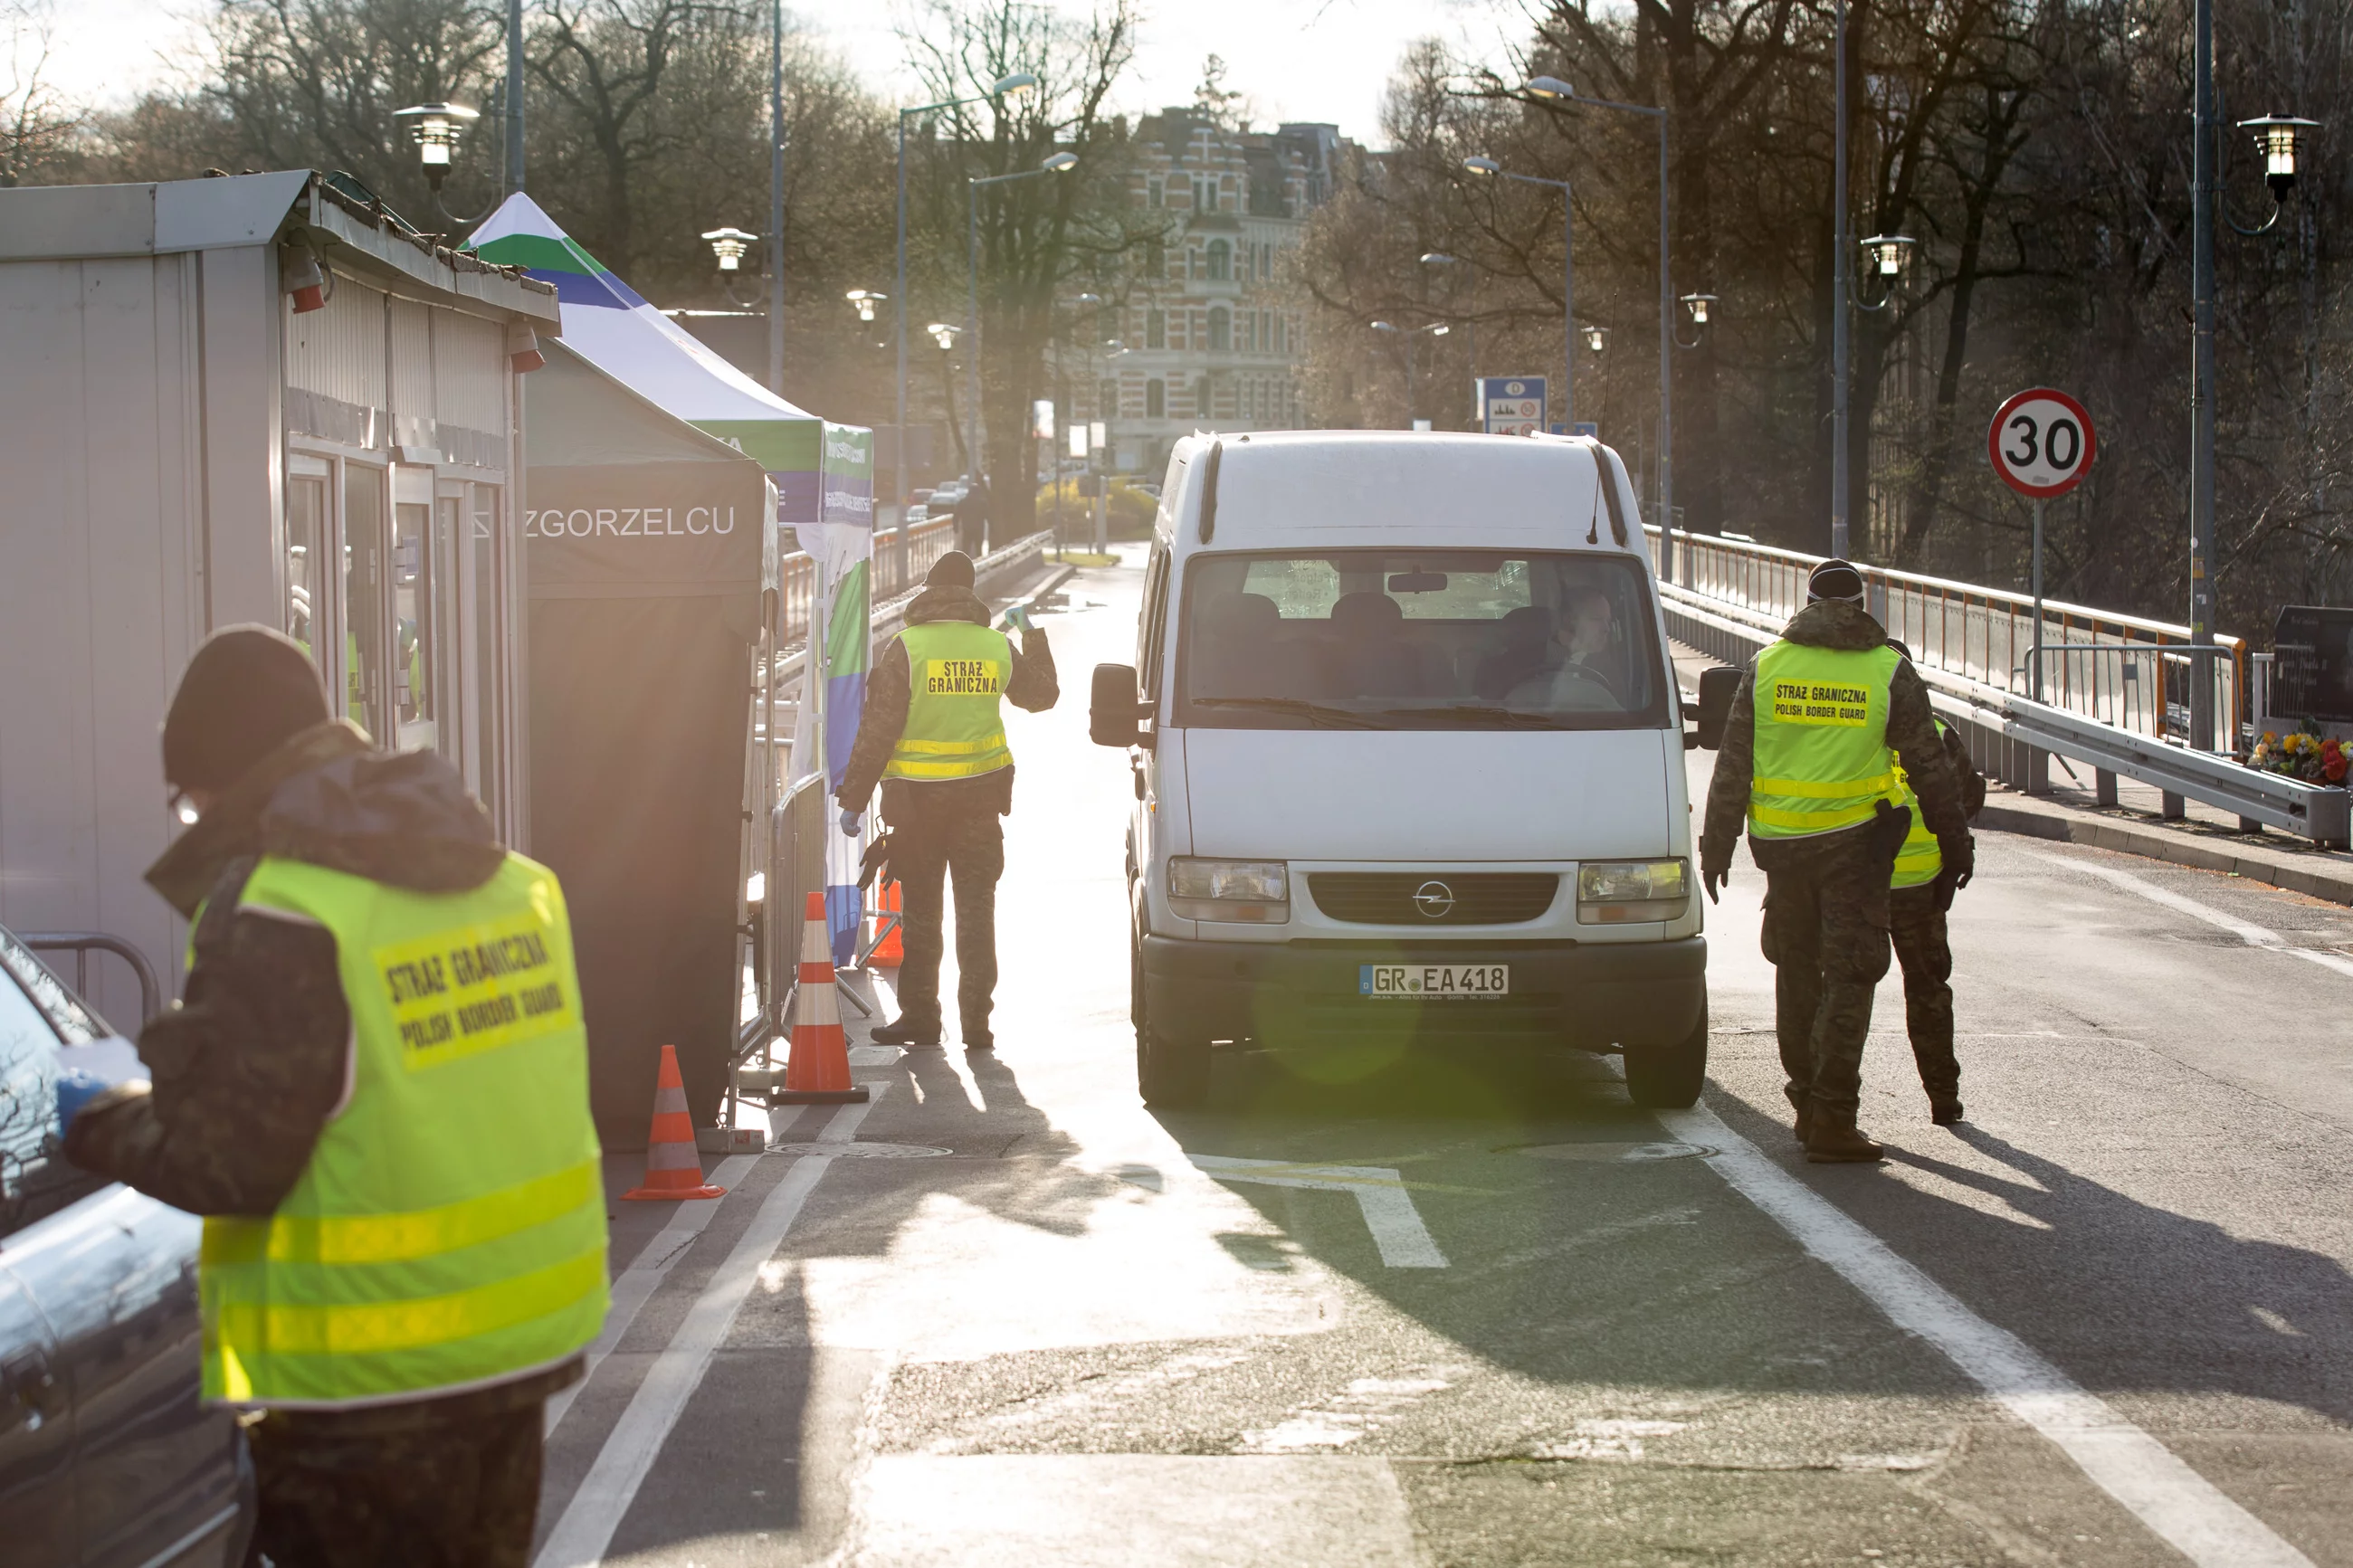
x=306 y=513
x=416 y=650
x=364 y=650
x=488 y=755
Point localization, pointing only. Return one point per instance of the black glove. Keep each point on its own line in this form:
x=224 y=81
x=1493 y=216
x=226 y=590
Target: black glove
x=1715 y=867
x=1893 y=826
x=1959 y=853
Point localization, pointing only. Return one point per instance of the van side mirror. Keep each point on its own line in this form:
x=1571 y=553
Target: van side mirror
x=1717 y=687
x=1113 y=710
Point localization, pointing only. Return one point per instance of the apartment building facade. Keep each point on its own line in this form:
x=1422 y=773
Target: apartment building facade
x=1207 y=335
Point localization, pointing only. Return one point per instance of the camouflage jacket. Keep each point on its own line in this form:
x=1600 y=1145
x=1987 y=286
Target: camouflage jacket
x=1911 y=732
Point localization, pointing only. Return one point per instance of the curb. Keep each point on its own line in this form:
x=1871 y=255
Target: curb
x=2328 y=882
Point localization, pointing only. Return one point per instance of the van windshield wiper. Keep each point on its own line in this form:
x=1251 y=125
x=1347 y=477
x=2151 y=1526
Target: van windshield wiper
x=1481 y=714
x=1314 y=712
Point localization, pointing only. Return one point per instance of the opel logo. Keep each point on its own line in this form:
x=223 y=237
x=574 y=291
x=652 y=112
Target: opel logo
x=1434 y=899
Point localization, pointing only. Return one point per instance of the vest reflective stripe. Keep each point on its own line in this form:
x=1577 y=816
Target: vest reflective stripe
x=957 y=674
x=1919 y=861
x=1822 y=760
x=437 y=1239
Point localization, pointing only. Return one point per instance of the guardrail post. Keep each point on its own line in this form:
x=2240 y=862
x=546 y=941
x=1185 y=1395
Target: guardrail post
x=2037 y=764
x=2171 y=806
x=2103 y=788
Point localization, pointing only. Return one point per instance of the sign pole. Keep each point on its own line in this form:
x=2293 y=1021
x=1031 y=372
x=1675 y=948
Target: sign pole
x=2034 y=653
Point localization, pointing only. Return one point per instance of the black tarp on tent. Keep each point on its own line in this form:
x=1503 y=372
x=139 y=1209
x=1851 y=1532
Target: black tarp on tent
x=650 y=545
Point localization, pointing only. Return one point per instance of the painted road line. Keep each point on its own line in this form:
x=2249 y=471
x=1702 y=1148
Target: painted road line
x=2253 y=935
x=1405 y=1242
x=635 y=1285
x=595 y=1511
x=2178 y=1504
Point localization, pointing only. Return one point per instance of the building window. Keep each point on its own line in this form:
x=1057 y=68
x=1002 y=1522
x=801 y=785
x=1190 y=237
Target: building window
x=1201 y=398
x=1152 y=194
x=1200 y=196
x=1220 y=330
x=1156 y=259
x=1107 y=400
x=1156 y=399
x=1156 y=328
x=1221 y=262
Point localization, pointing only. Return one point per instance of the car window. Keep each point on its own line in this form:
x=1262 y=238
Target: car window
x=71 y=1017
x=1420 y=640
x=35 y=1179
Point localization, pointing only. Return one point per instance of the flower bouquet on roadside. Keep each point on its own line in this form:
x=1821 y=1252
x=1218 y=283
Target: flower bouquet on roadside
x=2302 y=755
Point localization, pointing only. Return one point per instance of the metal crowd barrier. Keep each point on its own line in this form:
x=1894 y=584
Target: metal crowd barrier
x=2118 y=732
x=82 y=945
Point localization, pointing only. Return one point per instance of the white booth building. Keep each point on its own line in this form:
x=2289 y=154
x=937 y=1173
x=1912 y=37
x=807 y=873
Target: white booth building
x=252 y=398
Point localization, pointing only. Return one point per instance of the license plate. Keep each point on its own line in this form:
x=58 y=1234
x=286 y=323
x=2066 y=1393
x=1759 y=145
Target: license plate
x=1444 y=981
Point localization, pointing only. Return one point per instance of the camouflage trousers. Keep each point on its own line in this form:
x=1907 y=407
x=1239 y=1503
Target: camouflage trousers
x=968 y=845
x=1826 y=922
x=1926 y=955
x=445 y=1484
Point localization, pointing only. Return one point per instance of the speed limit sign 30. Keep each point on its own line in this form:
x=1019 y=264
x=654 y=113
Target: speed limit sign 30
x=2040 y=443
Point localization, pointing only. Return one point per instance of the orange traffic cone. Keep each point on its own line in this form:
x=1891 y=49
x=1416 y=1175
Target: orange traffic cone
x=818 y=1069
x=673 y=1167
x=887 y=954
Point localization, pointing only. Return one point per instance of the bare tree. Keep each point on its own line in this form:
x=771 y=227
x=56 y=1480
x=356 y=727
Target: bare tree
x=36 y=125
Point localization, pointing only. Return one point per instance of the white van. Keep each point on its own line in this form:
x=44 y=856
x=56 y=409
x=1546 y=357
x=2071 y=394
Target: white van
x=1409 y=764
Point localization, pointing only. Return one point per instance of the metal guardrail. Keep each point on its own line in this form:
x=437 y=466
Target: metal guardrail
x=2125 y=670
x=2011 y=736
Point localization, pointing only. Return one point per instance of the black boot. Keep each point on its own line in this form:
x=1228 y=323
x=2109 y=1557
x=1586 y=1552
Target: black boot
x=1803 y=1104
x=1943 y=1110
x=1833 y=1139
x=902 y=1033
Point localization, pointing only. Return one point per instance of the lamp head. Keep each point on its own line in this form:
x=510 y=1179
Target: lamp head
x=1383 y=327
x=865 y=300
x=1437 y=331
x=1698 y=304
x=1549 y=87
x=1888 y=252
x=435 y=128
x=729 y=244
x=943 y=333
x=1597 y=338
x=1060 y=162
x=1088 y=299
x=1439 y=258
x=1482 y=165
x=1014 y=86
x=2281 y=137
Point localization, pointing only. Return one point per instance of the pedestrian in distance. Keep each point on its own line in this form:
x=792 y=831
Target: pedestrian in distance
x=1808 y=765
x=972 y=519
x=1920 y=894
x=932 y=735
x=376 y=1092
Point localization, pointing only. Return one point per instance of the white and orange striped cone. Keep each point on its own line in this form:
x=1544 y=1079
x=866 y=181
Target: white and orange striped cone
x=889 y=952
x=817 y=1073
x=673 y=1164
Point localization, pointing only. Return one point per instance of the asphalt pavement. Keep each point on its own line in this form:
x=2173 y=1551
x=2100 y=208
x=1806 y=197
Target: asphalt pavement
x=1486 y=1312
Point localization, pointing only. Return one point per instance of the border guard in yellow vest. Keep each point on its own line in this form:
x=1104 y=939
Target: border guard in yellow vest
x=933 y=734
x=1809 y=768
x=376 y=1093
x=1920 y=894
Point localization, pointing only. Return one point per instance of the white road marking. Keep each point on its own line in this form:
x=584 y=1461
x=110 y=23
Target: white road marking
x=1405 y=1242
x=2180 y=1506
x=635 y=1285
x=595 y=1511
x=2253 y=935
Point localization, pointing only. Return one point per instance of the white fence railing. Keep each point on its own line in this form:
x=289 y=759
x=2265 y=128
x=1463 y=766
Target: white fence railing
x=2123 y=670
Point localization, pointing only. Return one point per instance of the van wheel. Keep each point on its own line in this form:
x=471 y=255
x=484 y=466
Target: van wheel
x=1172 y=1075
x=1668 y=1077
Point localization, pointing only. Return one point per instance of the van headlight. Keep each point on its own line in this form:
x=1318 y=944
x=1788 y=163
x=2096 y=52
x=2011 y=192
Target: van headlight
x=1229 y=890
x=1621 y=892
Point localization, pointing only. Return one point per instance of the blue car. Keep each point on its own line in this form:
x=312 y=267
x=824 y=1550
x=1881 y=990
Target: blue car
x=108 y=1458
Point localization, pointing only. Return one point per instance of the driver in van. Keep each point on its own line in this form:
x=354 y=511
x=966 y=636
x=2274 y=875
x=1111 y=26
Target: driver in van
x=1584 y=637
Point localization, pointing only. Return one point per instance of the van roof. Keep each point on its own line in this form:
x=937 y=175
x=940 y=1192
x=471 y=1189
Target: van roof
x=1342 y=489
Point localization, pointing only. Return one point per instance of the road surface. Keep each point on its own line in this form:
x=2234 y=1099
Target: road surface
x=1479 y=1315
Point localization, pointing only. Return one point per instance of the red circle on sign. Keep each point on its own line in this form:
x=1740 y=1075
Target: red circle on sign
x=2018 y=443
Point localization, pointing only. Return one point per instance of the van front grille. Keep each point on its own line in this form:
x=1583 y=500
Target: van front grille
x=1433 y=898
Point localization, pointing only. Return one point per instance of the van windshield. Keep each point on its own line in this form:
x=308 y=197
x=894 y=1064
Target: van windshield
x=1420 y=639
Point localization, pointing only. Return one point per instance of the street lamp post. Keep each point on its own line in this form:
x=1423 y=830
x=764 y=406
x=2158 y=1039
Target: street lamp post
x=1553 y=89
x=1435 y=330
x=775 y=197
x=1840 y=285
x=514 y=97
x=1012 y=86
x=1568 y=280
x=1470 y=323
x=1052 y=165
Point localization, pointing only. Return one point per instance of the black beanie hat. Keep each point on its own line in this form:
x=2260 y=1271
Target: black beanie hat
x=953 y=570
x=248 y=690
x=1835 y=579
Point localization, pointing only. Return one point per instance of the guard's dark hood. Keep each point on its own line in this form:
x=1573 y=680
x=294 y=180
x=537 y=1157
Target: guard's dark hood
x=945 y=603
x=327 y=797
x=1837 y=624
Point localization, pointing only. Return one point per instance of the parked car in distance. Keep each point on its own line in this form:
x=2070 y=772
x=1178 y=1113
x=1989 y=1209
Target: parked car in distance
x=916 y=513
x=108 y=1460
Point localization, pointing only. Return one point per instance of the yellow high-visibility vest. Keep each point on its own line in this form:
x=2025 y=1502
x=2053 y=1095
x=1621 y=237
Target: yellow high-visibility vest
x=957 y=674
x=1821 y=758
x=1919 y=862
x=449 y=1231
